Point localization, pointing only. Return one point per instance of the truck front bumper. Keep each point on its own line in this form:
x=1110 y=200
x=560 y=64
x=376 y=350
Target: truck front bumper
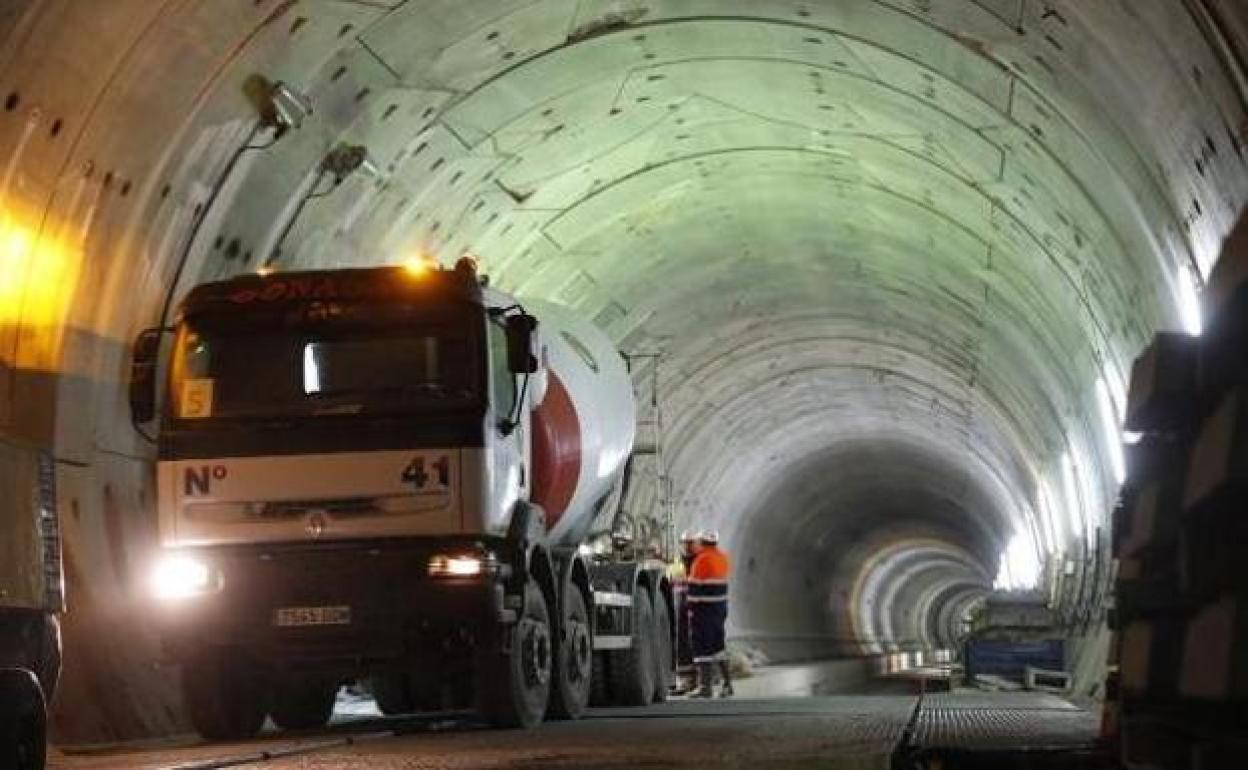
x=355 y=605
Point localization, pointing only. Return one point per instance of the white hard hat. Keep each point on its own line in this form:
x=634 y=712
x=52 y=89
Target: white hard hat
x=688 y=536
x=709 y=536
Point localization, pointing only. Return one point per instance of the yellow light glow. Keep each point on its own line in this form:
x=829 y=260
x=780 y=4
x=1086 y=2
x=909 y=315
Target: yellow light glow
x=419 y=265
x=264 y=271
x=178 y=576
x=39 y=273
x=443 y=565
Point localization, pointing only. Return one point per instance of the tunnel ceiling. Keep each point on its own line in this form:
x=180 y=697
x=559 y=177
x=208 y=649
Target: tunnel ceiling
x=897 y=255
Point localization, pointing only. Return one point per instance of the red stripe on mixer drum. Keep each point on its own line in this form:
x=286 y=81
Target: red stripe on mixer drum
x=556 y=450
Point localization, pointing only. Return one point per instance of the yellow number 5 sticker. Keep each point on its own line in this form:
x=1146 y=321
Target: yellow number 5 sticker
x=196 y=398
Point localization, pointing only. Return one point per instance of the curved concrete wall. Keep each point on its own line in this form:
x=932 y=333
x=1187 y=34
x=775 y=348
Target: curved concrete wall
x=888 y=249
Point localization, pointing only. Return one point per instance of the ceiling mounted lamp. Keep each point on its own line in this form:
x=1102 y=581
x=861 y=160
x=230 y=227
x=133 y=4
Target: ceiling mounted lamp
x=346 y=159
x=283 y=108
x=339 y=163
x=279 y=108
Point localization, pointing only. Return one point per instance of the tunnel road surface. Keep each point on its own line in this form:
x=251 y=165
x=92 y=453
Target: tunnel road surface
x=827 y=732
x=791 y=733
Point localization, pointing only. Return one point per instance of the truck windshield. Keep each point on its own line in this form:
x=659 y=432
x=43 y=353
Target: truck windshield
x=237 y=373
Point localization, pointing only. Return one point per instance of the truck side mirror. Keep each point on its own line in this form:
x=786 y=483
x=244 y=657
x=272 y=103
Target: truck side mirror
x=520 y=358
x=143 y=361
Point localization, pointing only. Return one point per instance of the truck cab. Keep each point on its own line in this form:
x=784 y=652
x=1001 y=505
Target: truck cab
x=371 y=473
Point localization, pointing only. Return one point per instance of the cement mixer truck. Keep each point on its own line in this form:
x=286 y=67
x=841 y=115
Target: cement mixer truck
x=391 y=475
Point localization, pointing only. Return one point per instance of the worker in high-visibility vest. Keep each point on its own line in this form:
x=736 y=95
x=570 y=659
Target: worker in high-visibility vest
x=678 y=572
x=708 y=603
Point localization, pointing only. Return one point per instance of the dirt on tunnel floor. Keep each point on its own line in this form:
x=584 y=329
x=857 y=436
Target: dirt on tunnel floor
x=825 y=732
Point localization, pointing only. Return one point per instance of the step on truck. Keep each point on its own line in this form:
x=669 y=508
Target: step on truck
x=389 y=476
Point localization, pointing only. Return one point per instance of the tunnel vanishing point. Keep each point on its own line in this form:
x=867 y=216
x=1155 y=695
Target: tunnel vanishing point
x=896 y=257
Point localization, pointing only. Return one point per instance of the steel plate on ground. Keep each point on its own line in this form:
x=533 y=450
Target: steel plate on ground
x=1003 y=721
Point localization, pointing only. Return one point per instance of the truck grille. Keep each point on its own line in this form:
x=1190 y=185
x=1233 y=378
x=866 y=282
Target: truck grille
x=340 y=508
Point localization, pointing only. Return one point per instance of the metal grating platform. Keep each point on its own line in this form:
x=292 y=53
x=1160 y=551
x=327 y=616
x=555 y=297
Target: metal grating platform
x=841 y=727
x=989 y=721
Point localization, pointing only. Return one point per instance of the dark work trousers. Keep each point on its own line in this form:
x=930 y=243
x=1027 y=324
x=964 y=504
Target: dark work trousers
x=684 y=642
x=708 y=619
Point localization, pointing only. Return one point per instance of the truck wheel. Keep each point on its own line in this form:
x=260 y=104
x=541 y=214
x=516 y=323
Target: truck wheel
x=23 y=743
x=391 y=693
x=662 y=648
x=49 y=670
x=23 y=721
x=514 y=688
x=224 y=697
x=30 y=744
x=573 y=660
x=303 y=704
x=632 y=670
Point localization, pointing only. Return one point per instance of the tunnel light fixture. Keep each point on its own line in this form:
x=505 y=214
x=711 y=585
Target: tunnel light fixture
x=1074 y=503
x=38 y=272
x=290 y=107
x=345 y=159
x=1020 y=565
x=1048 y=516
x=1113 y=431
x=370 y=168
x=1117 y=391
x=1118 y=394
x=281 y=107
x=1189 y=300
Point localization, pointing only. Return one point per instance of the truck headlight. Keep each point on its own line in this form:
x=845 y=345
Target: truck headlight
x=179 y=576
x=462 y=565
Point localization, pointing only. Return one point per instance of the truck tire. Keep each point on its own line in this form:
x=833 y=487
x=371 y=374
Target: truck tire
x=31 y=640
x=224 y=696
x=662 y=648
x=49 y=671
x=303 y=704
x=632 y=670
x=513 y=688
x=573 y=671
x=23 y=721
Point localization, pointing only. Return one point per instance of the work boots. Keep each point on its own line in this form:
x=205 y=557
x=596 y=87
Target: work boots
x=706 y=678
x=686 y=681
x=726 y=690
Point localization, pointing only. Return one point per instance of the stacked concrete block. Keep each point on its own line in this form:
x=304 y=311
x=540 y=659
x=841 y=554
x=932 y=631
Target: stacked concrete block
x=1181 y=538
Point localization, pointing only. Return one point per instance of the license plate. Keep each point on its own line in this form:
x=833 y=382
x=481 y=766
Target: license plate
x=312 y=616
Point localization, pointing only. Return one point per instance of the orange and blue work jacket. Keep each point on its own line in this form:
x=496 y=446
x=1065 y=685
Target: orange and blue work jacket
x=708 y=577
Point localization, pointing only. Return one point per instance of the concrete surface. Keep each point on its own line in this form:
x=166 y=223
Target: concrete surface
x=840 y=731
x=774 y=722
x=830 y=732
